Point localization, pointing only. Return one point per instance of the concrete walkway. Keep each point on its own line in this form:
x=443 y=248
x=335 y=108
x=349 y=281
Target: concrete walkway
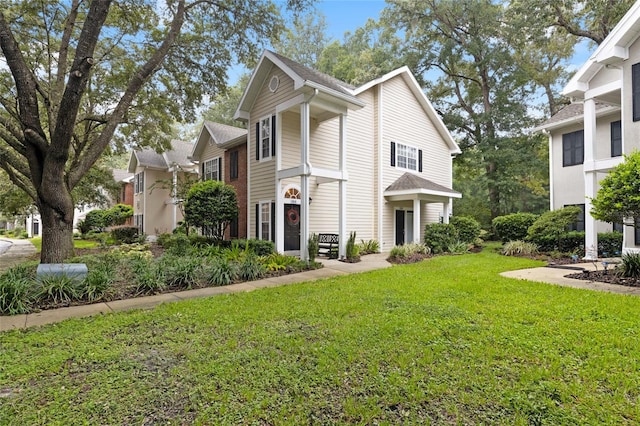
x=331 y=268
x=556 y=275
x=15 y=251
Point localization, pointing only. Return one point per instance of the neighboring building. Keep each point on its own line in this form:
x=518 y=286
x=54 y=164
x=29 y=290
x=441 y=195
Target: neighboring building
x=588 y=138
x=155 y=207
x=326 y=157
x=125 y=196
x=221 y=153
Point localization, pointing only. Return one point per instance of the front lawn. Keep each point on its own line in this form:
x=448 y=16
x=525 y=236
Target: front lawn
x=445 y=341
x=77 y=244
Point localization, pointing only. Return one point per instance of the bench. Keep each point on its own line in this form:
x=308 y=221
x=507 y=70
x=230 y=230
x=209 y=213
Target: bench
x=328 y=245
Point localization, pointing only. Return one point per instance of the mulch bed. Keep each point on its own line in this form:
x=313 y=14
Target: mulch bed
x=609 y=277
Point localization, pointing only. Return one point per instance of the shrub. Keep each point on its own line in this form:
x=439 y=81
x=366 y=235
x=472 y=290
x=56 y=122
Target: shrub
x=219 y=271
x=278 y=262
x=180 y=271
x=262 y=247
x=314 y=247
x=95 y=220
x=468 y=228
x=548 y=229
x=513 y=227
x=125 y=234
x=98 y=281
x=251 y=268
x=179 y=246
x=439 y=236
x=459 y=247
x=630 y=266
x=211 y=205
x=519 y=248
x=16 y=294
x=609 y=243
x=149 y=278
x=371 y=246
x=59 y=289
x=408 y=250
x=164 y=240
x=351 y=250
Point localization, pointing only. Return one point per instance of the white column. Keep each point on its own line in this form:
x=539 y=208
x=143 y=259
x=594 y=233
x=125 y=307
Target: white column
x=590 y=179
x=343 y=188
x=279 y=211
x=380 y=169
x=417 y=214
x=174 y=188
x=304 y=180
x=446 y=210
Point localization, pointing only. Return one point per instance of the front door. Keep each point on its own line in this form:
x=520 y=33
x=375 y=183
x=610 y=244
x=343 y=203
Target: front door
x=291 y=227
x=404 y=227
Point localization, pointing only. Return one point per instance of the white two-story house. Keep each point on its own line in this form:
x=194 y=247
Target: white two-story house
x=588 y=138
x=327 y=157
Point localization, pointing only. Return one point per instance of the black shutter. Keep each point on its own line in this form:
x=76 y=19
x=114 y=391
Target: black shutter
x=635 y=90
x=273 y=135
x=202 y=175
x=257 y=221
x=393 y=154
x=258 y=141
x=420 y=160
x=273 y=222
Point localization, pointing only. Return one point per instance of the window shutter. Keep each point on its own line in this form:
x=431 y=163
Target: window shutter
x=420 y=160
x=257 y=221
x=635 y=90
x=273 y=222
x=393 y=154
x=273 y=135
x=258 y=141
x=202 y=170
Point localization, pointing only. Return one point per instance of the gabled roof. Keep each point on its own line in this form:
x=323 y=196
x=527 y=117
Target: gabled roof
x=149 y=158
x=224 y=136
x=573 y=114
x=304 y=79
x=120 y=175
x=409 y=183
x=428 y=108
x=614 y=49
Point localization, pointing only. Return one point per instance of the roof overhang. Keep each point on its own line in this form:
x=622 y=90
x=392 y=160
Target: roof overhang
x=422 y=194
x=601 y=112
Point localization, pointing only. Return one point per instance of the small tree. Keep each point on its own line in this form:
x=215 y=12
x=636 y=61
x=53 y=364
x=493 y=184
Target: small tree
x=548 y=230
x=211 y=206
x=618 y=199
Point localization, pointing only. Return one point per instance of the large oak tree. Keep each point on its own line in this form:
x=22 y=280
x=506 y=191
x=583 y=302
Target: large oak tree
x=79 y=77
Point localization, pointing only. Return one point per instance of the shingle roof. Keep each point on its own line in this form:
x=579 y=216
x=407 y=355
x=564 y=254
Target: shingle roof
x=120 y=175
x=178 y=154
x=571 y=112
x=223 y=133
x=310 y=74
x=409 y=181
x=148 y=157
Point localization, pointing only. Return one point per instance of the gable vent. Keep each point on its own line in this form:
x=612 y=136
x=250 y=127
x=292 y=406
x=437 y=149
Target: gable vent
x=274 y=83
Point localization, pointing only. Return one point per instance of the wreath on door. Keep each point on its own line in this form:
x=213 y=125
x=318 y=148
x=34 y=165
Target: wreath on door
x=293 y=217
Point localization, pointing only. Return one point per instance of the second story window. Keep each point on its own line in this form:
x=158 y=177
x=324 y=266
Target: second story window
x=211 y=169
x=616 y=138
x=635 y=91
x=138 y=183
x=573 y=148
x=233 y=165
x=265 y=138
x=406 y=157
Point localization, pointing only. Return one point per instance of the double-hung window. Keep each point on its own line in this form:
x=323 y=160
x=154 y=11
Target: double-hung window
x=407 y=157
x=265 y=138
x=211 y=169
x=233 y=165
x=573 y=148
x=265 y=221
x=138 y=183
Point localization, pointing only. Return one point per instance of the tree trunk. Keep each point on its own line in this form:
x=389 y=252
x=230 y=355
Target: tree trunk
x=57 y=232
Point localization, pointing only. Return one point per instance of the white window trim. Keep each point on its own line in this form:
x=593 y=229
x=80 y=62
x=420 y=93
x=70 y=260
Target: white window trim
x=398 y=145
x=268 y=204
x=219 y=166
x=269 y=119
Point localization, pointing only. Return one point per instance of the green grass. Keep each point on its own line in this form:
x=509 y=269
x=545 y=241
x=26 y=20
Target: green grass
x=445 y=341
x=79 y=244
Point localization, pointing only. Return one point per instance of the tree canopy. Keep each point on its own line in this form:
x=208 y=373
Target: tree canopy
x=618 y=199
x=78 y=78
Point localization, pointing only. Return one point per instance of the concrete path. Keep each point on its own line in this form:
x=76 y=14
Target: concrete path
x=555 y=275
x=15 y=251
x=331 y=268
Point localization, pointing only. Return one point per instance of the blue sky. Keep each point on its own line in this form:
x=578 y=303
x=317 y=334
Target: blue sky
x=347 y=15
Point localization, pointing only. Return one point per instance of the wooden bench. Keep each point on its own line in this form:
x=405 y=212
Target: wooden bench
x=328 y=245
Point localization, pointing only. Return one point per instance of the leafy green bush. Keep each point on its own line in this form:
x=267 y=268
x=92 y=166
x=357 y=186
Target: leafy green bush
x=468 y=228
x=220 y=271
x=352 y=250
x=98 y=281
x=59 y=289
x=513 y=227
x=180 y=271
x=278 y=261
x=211 y=205
x=180 y=245
x=609 y=244
x=439 y=236
x=251 y=268
x=125 y=234
x=630 y=266
x=368 y=247
x=407 y=250
x=313 y=247
x=16 y=291
x=548 y=229
x=459 y=247
x=149 y=277
x=519 y=248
